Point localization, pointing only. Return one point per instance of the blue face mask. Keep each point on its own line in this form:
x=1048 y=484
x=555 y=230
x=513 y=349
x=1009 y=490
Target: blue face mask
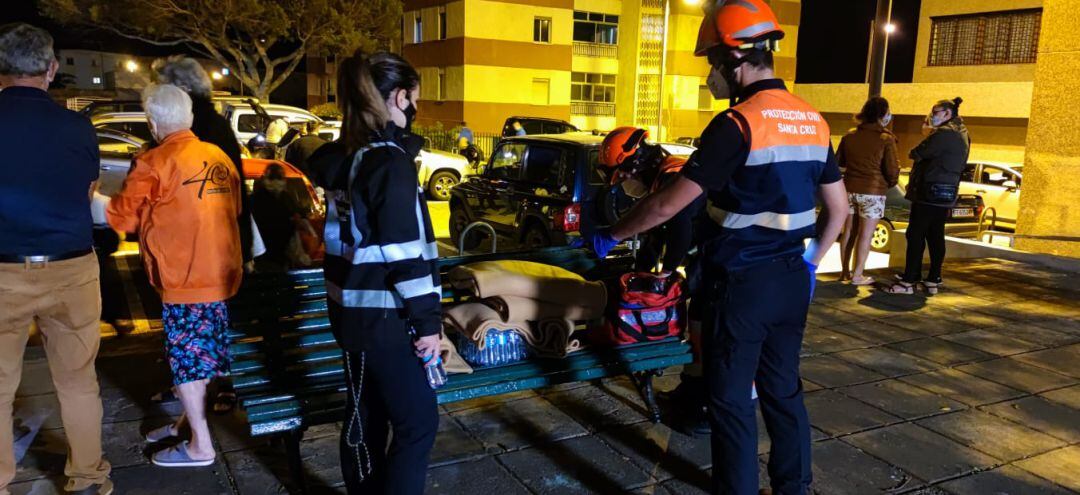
x=937 y=119
x=886 y=120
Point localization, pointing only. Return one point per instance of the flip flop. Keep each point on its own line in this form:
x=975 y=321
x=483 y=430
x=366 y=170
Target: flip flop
x=178 y=457
x=900 y=288
x=163 y=433
x=863 y=281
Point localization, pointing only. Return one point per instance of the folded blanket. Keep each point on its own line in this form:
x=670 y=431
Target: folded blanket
x=548 y=338
x=553 y=338
x=529 y=280
x=514 y=308
x=452 y=361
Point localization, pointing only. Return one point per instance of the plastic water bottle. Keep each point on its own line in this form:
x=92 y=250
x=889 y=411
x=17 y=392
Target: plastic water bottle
x=436 y=374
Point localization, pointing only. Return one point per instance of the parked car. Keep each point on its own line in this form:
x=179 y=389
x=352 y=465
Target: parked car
x=250 y=118
x=439 y=172
x=962 y=221
x=536 y=191
x=110 y=106
x=537 y=125
x=689 y=141
x=678 y=149
x=131 y=123
x=999 y=186
x=116 y=149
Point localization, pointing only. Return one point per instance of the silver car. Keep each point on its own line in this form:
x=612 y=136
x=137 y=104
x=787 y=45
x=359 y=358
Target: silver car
x=117 y=150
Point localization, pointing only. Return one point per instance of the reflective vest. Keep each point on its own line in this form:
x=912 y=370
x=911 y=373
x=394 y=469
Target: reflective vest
x=767 y=208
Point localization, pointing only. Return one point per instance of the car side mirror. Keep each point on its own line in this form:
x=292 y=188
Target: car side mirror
x=1010 y=185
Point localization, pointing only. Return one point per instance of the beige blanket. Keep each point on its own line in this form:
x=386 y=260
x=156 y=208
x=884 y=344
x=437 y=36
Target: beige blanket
x=548 y=338
x=452 y=361
x=530 y=280
x=514 y=308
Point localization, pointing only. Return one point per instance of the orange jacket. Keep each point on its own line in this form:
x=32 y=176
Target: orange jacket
x=183 y=197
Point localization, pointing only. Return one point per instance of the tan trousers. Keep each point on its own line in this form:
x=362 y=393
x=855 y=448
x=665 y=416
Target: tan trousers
x=64 y=299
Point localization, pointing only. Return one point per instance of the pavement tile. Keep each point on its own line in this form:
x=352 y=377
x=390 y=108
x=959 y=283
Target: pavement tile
x=919 y=451
x=682 y=487
x=836 y=414
x=972 y=317
x=809 y=386
x=822 y=341
x=1060 y=466
x=578 y=465
x=1018 y=375
x=1068 y=325
x=45 y=456
x=824 y=316
x=954 y=299
x=154 y=480
x=1039 y=334
x=840 y=468
x=41 y=486
x=1062 y=360
x=1005 y=480
x=1069 y=396
x=257 y=470
x=992 y=435
x=941 y=351
x=596 y=409
x=962 y=387
x=888 y=362
x=877 y=332
x=125 y=444
x=829 y=372
x=662 y=452
x=1045 y=308
x=517 y=424
x=927 y=325
x=35 y=379
x=1043 y=415
x=453 y=443
x=484 y=476
x=992 y=341
x=488 y=400
x=864 y=308
x=901 y=399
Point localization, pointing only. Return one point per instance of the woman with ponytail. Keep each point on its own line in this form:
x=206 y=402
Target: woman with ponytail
x=932 y=189
x=381 y=280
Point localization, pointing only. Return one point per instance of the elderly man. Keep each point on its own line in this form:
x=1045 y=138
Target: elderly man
x=183 y=197
x=48 y=271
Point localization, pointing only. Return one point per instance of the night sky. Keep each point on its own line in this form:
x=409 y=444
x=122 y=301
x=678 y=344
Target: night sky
x=834 y=36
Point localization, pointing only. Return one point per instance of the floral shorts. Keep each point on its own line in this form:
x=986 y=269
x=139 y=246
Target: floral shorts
x=867 y=205
x=196 y=340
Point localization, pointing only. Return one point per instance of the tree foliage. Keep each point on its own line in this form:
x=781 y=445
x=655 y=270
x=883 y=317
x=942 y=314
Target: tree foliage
x=261 y=41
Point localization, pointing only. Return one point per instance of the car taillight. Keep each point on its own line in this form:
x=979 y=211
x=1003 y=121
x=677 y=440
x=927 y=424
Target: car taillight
x=978 y=210
x=569 y=219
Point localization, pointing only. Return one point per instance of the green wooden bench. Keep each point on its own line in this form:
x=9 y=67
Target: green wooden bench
x=287 y=368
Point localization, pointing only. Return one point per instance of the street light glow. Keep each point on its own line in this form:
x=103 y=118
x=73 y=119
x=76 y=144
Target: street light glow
x=890 y=28
x=216 y=75
x=691 y=3
x=224 y=71
x=131 y=66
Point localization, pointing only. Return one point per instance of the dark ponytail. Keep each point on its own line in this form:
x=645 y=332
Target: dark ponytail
x=953 y=105
x=364 y=84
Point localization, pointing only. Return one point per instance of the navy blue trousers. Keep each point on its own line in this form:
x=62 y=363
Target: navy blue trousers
x=388 y=389
x=754 y=335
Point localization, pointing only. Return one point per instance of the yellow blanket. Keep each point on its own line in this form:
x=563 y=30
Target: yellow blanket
x=530 y=280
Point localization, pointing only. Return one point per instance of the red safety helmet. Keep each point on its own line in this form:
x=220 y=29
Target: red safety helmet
x=620 y=144
x=741 y=24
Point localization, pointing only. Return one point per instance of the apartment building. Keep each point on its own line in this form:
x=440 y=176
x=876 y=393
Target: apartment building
x=596 y=63
x=981 y=50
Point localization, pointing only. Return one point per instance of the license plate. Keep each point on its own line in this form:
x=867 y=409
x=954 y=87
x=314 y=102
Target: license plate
x=962 y=212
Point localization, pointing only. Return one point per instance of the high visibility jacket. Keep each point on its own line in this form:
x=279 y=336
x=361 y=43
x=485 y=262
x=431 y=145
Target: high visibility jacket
x=768 y=207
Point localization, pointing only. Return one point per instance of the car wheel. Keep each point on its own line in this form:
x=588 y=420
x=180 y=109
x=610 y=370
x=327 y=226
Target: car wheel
x=536 y=237
x=458 y=221
x=440 y=184
x=882 y=238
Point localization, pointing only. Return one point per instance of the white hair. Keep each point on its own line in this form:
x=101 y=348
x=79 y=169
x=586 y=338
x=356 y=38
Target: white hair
x=184 y=72
x=168 y=108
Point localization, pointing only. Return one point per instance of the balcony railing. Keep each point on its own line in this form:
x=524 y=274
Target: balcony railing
x=592 y=109
x=603 y=50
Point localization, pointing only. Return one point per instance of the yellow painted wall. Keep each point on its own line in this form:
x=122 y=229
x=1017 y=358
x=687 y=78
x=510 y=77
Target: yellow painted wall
x=511 y=85
x=605 y=6
x=594 y=123
x=514 y=22
x=981 y=99
x=599 y=65
x=967 y=73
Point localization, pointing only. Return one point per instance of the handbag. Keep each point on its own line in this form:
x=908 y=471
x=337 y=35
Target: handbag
x=939 y=193
x=644 y=308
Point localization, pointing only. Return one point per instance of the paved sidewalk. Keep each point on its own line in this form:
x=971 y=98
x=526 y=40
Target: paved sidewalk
x=973 y=391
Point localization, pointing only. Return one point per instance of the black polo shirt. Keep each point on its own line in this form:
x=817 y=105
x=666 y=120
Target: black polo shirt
x=48 y=159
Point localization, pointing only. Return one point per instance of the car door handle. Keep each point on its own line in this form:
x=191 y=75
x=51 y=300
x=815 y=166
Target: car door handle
x=981 y=191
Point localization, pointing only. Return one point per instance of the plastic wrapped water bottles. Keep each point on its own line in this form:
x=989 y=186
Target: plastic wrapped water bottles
x=500 y=347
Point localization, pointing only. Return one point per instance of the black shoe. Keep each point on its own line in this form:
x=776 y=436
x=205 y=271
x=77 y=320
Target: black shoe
x=104 y=488
x=695 y=423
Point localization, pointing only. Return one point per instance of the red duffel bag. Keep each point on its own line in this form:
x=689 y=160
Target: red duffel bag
x=644 y=307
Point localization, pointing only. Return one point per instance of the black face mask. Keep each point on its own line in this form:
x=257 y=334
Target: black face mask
x=410 y=116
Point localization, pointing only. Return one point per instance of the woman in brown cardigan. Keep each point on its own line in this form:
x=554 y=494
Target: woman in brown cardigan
x=868 y=156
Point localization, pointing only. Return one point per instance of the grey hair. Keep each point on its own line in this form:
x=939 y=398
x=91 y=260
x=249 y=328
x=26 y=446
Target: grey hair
x=25 y=50
x=168 y=107
x=185 y=73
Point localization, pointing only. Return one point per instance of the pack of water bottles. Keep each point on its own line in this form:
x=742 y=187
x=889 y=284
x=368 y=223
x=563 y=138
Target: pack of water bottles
x=500 y=347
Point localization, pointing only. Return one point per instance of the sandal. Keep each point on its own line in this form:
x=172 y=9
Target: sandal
x=224 y=402
x=163 y=433
x=178 y=457
x=932 y=288
x=900 y=287
x=862 y=281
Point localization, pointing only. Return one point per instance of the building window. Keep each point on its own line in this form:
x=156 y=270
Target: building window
x=592 y=94
x=418 y=29
x=1010 y=37
x=593 y=27
x=442 y=22
x=442 y=85
x=542 y=29
x=70 y=61
x=541 y=88
x=704 y=99
x=97 y=80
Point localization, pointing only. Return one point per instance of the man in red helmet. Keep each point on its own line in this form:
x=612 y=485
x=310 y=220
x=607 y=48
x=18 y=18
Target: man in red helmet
x=761 y=164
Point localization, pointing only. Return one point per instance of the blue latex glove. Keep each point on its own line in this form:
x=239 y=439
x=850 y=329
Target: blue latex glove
x=812 y=268
x=601 y=242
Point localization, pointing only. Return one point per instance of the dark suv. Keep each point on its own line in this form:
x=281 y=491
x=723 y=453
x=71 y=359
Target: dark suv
x=536 y=191
x=537 y=125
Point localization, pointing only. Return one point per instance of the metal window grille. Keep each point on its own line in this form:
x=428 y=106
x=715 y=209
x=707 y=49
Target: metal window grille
x=1010 y=37
x=601 y=50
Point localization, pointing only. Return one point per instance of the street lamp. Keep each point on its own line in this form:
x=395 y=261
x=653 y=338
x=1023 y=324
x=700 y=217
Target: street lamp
x=890 y=28
x=691 y=3
x=131 y=66
x=216 y=75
